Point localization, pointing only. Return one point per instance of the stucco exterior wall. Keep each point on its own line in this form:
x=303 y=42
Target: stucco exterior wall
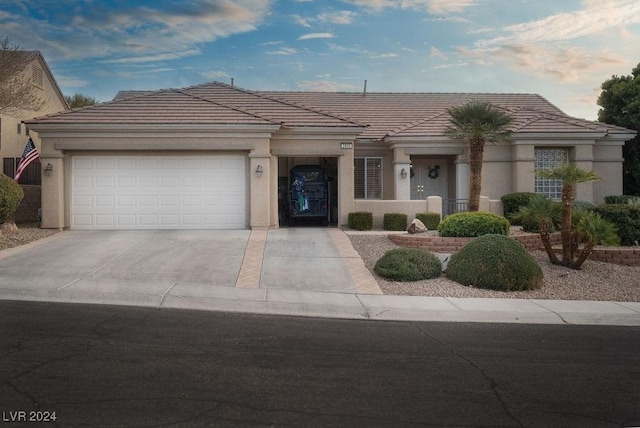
x=12 y=142
x=608 y=165
x=380 y=208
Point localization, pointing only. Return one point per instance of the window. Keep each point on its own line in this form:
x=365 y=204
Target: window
x=545 y=159
x=367 y=178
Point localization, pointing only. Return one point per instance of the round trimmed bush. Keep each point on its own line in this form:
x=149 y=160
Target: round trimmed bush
x=408 y=264
x=10 y=197
x=474 y=223
x=495 y=262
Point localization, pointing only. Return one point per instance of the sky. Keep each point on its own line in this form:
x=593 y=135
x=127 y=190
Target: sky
x=560 y=49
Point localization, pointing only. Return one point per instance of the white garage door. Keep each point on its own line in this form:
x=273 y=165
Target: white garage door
x=158 y=192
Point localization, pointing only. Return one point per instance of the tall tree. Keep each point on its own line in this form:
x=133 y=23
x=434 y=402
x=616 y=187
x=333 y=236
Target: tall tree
x=478 y=123
x=80 y=100
x=16 y=87
x=620 y=102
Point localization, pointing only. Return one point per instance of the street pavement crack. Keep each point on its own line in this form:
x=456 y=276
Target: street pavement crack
x=492 y=382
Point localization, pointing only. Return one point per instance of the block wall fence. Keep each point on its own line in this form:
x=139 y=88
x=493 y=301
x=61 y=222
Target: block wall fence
x=629 y=256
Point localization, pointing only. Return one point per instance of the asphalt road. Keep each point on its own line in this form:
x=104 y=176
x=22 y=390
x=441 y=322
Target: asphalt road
x=123 y=366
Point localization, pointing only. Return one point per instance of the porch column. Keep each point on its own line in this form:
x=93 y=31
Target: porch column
x=462 y=177
x=52 y=191
x=260 y=190
x=401 y=175
x=345 y=186
x=523 y=162
x=275 y=206
x=584 y=159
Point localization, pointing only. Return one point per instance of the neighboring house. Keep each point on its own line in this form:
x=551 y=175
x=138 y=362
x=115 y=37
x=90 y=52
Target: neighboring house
x=217 y=156
x=13 y=133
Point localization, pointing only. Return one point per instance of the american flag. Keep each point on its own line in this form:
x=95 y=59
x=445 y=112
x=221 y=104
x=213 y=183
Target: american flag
x=29 y=155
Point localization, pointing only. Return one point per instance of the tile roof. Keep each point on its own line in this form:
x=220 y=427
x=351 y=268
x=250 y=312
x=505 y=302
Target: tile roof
x=425 y=114
x=378 y=115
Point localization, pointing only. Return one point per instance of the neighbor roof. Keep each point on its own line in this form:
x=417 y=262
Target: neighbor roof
x=379 y=114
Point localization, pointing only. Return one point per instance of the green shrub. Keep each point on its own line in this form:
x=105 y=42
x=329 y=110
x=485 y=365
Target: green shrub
x=430 y=220
x=408 y=264
x=587 y=205
x=470 y=224
x=621 y=199
x=495 y=262
x=10 y=197
x=360 y=221
x=626 y=219
x=394 y=221
x=512 y=202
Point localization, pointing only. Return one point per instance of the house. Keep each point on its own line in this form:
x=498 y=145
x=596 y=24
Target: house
x=13 y=133
x=218 y=156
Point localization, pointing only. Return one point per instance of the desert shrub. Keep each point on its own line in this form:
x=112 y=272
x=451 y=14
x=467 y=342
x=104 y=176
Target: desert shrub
x=430 y=220
x=10 y=197
x=626 y=219
x=471 y=224
x=394 y=221
x=408 y=264
x=360 y=220
x=512 y=202
x=495 y=262
x=621 y=199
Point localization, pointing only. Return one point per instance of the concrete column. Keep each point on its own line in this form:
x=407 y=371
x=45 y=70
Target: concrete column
x=462 y=178
x=274 y=214
x=345 y=187
x=402 y=186
x=53 y=195
x=260 y=191
x=523 y=168
x=583 y=157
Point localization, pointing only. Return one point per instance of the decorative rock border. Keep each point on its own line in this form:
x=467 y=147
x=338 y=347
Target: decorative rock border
x=629 y=256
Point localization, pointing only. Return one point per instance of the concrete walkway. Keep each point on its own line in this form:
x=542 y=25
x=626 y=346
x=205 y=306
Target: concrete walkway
x=294 y=271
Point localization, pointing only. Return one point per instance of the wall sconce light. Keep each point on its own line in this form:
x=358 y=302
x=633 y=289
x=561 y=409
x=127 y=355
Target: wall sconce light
x=259 y=170
x=48 y=170
x=403 y=173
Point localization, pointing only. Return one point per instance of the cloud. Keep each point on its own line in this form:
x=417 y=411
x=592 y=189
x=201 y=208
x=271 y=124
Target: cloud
x=435 y=7
x=71 y=82
x=316 y=36
x=283 y=51
x=152 y=58
x=340 y=18
x=595 y=18
x=437 y=53
x=105 y=30
x=325 y=86
x=301 y=21
x=215 y=74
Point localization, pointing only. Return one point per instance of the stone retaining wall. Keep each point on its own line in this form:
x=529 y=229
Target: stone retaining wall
x=629 y=256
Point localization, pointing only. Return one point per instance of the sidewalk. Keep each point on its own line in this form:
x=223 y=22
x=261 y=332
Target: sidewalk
x=357 y=306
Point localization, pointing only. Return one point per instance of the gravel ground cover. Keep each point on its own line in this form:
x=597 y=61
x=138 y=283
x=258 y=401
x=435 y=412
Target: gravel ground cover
x=26 y=233
x=595 y=281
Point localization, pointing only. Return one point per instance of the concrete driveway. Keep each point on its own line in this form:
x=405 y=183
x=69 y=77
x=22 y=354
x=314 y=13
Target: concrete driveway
x=148 y=267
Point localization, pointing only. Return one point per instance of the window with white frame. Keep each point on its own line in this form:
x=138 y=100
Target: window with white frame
x=367 y=178
x=545 y=159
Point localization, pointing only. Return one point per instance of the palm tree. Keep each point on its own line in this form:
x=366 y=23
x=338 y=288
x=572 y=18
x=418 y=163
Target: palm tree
x=544 y=212
x=477 y=123
x=570 y=175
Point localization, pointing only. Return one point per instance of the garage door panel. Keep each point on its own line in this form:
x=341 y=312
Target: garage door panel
x=171 y=192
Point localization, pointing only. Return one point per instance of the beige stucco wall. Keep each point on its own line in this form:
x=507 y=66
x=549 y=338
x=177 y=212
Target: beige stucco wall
x=12 y=142
x=607 y=164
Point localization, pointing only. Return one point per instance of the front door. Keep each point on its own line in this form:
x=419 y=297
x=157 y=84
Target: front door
x=429 y=178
